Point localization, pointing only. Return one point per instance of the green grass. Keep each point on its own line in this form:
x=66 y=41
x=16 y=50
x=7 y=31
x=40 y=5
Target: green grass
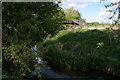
x=83 y=50
x=97 y=24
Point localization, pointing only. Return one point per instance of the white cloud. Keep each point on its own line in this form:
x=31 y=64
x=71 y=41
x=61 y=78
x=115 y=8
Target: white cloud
x=103 y=17
x=83 y=5
x=104 y=13
x=98 y=19
x=71 y=5
x=89 y=19
x=77 y=6
x=114 y=0
x=95 y=0
x=89 y=0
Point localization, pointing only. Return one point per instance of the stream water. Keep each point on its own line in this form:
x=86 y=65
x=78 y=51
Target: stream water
x=56 y=72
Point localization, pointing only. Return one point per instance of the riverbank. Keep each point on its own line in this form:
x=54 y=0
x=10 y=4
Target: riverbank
x=83 y=50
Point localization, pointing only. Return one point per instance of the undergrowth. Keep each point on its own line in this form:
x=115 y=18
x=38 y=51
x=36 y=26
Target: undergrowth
x=83 y=50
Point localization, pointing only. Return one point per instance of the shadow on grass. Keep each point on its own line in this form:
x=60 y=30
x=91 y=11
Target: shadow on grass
x=84 y=50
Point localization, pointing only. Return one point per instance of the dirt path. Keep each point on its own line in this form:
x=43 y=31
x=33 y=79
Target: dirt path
x=100 y=27
x=94 y=27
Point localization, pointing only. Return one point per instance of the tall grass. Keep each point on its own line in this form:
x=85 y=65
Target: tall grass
x=83 y=50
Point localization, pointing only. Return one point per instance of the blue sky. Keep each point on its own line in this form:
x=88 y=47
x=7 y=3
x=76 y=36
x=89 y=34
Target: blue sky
x=91 y=10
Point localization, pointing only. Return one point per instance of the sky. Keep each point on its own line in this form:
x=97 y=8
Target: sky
x=91 y=10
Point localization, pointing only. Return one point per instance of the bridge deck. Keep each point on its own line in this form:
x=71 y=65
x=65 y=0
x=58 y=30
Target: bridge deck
x=77 y=22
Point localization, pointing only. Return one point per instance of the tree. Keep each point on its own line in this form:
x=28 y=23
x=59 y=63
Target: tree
x=114 y=11
x=24 y=25
x=71 y=13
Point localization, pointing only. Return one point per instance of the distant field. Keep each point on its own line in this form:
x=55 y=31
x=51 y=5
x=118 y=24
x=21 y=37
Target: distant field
x=91 y=26
x=101 y=27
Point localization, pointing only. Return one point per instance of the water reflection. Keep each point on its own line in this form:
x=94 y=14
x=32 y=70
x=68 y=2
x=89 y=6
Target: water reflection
x=56 y=73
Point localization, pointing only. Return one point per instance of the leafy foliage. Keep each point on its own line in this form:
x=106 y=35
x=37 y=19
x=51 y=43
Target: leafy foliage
x=71 y=13
x=115 y=10
x=24 y=25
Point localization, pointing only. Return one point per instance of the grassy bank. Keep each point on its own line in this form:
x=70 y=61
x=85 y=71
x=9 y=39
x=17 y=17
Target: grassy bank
x=83 y=50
